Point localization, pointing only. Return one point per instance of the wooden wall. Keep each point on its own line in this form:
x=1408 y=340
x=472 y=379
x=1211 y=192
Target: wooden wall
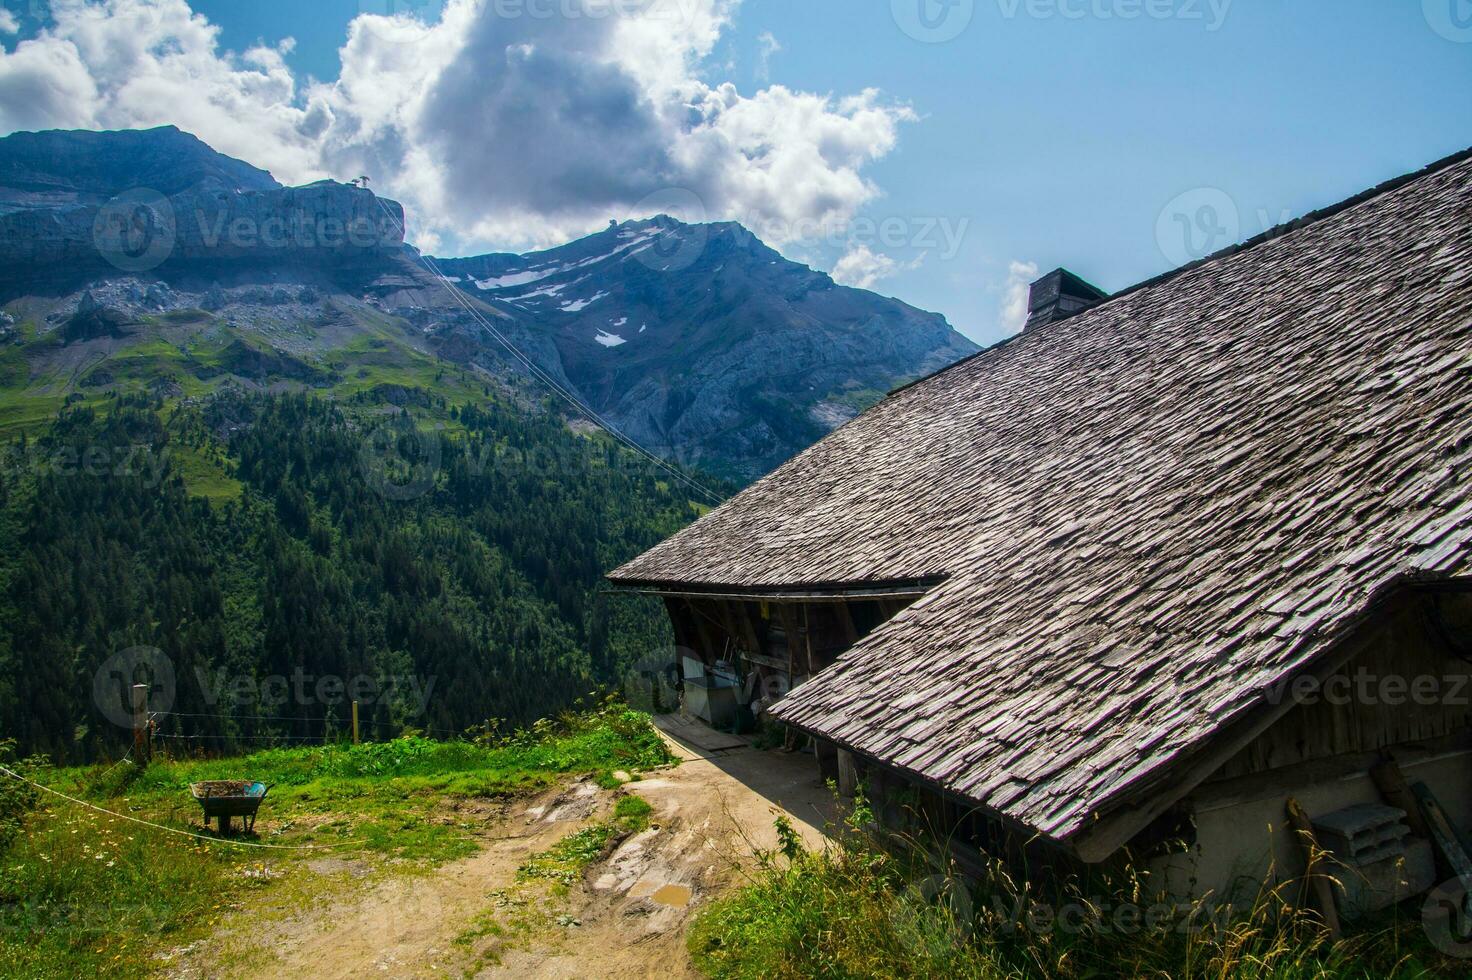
x=1405 y=684
x=798 y=638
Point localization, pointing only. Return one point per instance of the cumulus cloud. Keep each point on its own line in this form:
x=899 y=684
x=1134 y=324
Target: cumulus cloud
x=1020 y=276
x=8 y=23
x=491 y=126
x=862 y=267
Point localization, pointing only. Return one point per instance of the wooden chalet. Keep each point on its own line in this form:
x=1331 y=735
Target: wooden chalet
x=1062 y=591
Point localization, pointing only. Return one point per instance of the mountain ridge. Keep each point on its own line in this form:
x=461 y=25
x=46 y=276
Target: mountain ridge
x=698 y=341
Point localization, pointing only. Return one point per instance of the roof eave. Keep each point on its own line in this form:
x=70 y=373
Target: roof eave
x=794 y=592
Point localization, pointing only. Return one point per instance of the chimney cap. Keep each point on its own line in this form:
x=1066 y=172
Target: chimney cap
x=1059 y=295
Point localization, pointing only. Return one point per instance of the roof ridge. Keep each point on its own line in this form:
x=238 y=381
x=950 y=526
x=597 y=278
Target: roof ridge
x=1272 y=234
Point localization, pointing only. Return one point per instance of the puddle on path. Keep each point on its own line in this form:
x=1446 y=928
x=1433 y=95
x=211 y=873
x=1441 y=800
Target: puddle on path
x=675 y=896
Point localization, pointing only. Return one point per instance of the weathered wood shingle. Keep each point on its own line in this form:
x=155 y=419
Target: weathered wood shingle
x=1140 y=516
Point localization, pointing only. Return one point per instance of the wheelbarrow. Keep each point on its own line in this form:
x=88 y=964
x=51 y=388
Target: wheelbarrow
x=224 y=799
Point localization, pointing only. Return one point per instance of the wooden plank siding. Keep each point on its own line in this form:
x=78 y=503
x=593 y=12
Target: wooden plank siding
x=1406 y=686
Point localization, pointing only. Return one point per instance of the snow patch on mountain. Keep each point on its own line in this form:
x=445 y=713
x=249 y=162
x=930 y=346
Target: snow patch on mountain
x=578 y=305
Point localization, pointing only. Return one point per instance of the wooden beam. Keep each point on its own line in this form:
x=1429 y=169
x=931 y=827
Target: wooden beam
x=747 y=624
x=709 y=650
x=846 y=623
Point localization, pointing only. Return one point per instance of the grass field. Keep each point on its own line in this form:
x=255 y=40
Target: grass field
x=84 y=893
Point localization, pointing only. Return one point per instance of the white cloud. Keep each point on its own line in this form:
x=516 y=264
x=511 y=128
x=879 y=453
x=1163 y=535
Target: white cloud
x=862 y=267
x=8 y=23
x=767 y=45
x=1020 y=276
x=512 y=130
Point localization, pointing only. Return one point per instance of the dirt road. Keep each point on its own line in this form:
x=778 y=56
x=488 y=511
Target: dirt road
x=625 y=918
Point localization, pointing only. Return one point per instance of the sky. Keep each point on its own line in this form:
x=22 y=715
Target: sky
x=945 y=152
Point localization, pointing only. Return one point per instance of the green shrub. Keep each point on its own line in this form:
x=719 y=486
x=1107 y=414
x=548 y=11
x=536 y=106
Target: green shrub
x=17 y=798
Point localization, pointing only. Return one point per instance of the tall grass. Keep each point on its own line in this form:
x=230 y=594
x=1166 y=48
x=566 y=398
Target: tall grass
x=867 y=906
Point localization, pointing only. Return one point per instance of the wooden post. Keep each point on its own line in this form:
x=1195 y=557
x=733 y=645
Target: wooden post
x=355 y=723
x=1391 y=783
x=140 y=723
x=1314 y=873
x=848 y=776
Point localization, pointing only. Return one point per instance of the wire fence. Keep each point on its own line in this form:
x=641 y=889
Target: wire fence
x=343 y=723
x=228 y=841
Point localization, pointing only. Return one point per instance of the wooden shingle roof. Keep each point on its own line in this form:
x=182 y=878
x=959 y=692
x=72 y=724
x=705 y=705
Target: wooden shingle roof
x=1140 y=517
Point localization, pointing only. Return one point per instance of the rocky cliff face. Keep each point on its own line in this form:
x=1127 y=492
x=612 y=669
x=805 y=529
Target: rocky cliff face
x=62 y=168
x=136 y=201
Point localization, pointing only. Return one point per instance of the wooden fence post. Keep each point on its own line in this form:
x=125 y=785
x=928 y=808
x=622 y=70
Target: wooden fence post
x=355 y=723
x=140 y=723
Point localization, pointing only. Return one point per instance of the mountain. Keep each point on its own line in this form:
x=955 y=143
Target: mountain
x=145 y=261
x=706 y=345
x=80 y=167
x=245 y=428
x=82 y=204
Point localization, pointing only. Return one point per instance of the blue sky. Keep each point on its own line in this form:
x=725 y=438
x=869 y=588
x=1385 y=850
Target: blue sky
x=1095 y=134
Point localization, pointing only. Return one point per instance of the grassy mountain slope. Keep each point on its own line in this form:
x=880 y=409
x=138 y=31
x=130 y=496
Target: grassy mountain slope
x=447 y=554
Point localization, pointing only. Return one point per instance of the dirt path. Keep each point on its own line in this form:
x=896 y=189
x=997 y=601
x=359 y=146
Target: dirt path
x=626 y=918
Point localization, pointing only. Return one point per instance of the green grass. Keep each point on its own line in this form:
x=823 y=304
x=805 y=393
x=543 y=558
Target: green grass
x=83 y=893
x=564 y=861
x=204 y=473
x=631 y=813
x=866 y=909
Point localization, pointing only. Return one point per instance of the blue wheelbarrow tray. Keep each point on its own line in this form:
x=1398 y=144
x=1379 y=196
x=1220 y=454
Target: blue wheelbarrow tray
x=223 y=799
